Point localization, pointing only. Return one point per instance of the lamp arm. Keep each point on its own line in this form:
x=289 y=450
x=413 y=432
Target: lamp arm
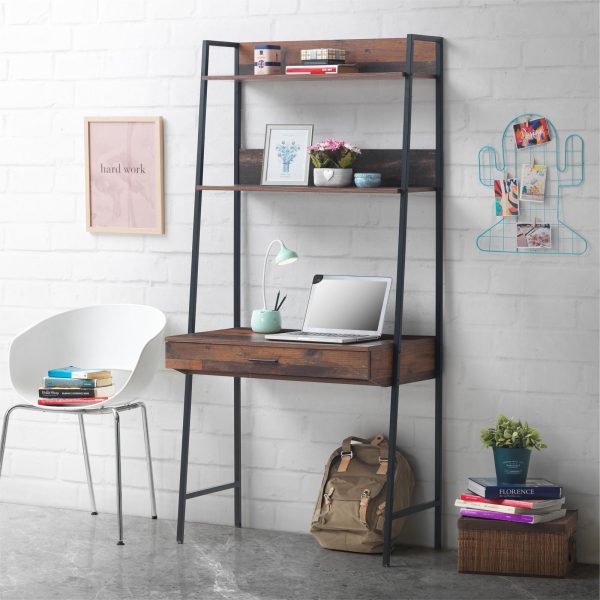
x=265 y=272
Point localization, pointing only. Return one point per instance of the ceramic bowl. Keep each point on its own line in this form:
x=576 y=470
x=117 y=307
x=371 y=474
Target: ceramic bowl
x=366 y=180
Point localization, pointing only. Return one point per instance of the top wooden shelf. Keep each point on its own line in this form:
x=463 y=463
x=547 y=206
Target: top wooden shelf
x=341 y=76
x=375 y=58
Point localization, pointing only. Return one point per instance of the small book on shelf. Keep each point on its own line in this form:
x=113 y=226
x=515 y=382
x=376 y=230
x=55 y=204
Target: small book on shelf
x=498 y=516
x=532 y=504
x=505 y=508
x=320 y=69
x=488 y=487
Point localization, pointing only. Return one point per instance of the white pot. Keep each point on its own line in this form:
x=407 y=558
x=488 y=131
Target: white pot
x=332 y=177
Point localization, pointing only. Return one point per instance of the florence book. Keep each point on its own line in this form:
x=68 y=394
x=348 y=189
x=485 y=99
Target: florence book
x=79 y=373
x=533 y=504
x=69 y=401
x=68 y=382
x=498 y=516
x=533 y=489
x=533 y=183
x=506 y=194
x=69 y=392
x=503 y=508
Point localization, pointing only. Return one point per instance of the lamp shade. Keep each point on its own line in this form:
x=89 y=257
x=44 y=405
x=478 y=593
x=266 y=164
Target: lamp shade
x=285 y=256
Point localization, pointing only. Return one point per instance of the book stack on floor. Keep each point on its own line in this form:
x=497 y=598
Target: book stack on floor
x=536 y=501
x=74 y=386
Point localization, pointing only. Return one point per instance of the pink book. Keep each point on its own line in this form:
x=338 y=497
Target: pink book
x=498 y=516
x=535 y=504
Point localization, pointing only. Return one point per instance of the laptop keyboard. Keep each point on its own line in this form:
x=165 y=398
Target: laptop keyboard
x=346 y=335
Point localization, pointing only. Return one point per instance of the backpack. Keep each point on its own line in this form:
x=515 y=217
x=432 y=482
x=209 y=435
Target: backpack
x=349 y=514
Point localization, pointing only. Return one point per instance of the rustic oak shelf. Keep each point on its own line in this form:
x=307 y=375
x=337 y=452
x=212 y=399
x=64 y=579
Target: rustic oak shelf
x=338 y=77
x=312 y=189
x=391 y=361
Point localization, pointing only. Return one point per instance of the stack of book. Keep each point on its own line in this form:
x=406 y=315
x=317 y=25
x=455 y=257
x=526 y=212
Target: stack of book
x=536 y=501
x=73 y=386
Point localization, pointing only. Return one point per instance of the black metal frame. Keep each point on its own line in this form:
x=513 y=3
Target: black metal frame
x=390 y=514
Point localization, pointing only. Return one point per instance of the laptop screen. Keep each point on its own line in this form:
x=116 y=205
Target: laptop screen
x=350 y=304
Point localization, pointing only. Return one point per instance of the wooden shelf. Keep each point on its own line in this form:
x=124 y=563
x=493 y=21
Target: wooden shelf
x=340 y=76
x=311 y=188
x=239 y=352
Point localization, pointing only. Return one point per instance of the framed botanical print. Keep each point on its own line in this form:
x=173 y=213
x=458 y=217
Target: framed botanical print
x=285 y=159
x=124 y=175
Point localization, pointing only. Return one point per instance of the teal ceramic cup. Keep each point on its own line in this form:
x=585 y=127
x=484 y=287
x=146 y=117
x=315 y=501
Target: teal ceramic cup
x=266 y=321
x=367 y=180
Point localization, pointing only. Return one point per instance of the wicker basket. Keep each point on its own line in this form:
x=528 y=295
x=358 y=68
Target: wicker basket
x=506 y=548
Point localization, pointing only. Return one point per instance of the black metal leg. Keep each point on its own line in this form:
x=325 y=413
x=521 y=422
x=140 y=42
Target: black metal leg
x=185 y=447
x=237 y=451
x=439 y=287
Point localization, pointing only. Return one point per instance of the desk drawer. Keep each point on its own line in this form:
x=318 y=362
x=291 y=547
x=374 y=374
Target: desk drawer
x=277 y=361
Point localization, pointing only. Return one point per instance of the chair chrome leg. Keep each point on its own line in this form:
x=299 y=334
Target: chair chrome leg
x=120 y=542
x=5 y=431
x=86 y=458
x=148 y=459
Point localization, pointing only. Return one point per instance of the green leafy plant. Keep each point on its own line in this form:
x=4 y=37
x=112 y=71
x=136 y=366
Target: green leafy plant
x=511 y=433
x=335 y=154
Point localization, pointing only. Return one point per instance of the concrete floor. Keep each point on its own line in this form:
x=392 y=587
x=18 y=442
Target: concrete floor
x=70 y=555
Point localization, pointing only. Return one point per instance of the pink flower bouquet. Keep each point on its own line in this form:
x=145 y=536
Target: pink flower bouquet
x=334 y=154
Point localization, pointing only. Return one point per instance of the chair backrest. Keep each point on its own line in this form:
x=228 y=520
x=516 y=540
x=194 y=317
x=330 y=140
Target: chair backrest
x=126 y=338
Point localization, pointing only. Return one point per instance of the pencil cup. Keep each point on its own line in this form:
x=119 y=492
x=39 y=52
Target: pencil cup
x=266 y=321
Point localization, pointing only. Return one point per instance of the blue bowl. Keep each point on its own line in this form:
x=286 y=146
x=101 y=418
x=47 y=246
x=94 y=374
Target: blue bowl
x=367 y=180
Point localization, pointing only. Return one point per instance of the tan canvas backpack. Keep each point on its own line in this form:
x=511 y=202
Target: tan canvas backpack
x=349 y=514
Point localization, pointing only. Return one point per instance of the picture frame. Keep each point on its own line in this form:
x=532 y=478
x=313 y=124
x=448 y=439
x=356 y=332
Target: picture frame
x=285 y=159
x=124 y=181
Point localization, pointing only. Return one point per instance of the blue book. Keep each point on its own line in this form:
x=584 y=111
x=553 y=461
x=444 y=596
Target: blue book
x=67 y=382
x=79 y=373
x=487 y=487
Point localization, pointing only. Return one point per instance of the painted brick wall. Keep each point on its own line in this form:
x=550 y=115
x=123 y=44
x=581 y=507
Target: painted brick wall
x=521 y=331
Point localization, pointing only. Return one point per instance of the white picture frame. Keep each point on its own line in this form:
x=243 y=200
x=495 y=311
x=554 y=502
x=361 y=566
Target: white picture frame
x=290 y=167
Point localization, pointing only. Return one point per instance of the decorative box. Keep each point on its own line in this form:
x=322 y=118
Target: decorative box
x=267 y=59
x=325 y=54
x=505 y=548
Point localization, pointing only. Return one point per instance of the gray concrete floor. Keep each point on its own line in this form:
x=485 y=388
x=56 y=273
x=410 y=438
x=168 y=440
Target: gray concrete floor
x=70 y=555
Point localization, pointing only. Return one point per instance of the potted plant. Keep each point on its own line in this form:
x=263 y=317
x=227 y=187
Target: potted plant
x=332 y=160
x=512 y=443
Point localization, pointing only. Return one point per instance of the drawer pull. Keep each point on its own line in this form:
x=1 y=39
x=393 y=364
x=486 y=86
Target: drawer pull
x=264 y=361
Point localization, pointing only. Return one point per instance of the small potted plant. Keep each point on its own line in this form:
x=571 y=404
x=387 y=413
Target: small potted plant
x=512 y=443
x=332 y=160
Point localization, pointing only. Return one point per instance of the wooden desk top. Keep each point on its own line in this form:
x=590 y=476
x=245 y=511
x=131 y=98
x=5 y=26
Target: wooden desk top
x=239 y=352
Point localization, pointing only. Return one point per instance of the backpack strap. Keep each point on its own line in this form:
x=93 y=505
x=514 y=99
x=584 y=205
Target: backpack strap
x=346 y=454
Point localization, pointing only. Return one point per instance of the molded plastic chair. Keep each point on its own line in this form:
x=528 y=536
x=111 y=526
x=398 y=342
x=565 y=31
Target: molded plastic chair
x=125 y=338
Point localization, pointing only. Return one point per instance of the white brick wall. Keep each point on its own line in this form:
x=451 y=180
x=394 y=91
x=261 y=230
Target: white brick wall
x=521 y=333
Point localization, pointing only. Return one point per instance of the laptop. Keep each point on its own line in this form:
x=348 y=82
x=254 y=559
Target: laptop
x=342 y=309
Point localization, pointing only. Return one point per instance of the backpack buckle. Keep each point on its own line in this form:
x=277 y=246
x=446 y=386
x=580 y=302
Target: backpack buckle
x=347 y=453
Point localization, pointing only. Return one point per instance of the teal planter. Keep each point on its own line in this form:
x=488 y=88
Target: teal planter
x=266 y=321
x=511 y=464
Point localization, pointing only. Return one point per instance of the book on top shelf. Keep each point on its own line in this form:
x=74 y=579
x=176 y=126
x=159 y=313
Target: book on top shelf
x=498 y=516
x=71 y=392
x=533 y=504
x=69 y=401
x=320 y=69
x=79 y=373
x=507 y=509
x=488 y=487
x=68 y=382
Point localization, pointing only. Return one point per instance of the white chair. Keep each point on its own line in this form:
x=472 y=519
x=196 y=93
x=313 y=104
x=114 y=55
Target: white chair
x=126 y=338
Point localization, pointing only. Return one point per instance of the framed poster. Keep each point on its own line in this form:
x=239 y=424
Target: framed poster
x=285 y=159
x=124 y=175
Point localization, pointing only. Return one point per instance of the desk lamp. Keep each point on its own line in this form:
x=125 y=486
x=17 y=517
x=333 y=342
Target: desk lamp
x=265 y=320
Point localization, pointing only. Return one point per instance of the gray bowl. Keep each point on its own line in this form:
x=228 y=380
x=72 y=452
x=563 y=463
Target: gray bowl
x=367 y=180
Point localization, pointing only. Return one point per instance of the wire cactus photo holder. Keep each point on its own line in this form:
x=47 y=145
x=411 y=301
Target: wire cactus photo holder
x=564 y=169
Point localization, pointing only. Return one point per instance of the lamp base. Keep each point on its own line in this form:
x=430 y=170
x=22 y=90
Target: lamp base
x=266 y=321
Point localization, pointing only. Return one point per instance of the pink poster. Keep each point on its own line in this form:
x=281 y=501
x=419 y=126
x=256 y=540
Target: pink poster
x=124 y=174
